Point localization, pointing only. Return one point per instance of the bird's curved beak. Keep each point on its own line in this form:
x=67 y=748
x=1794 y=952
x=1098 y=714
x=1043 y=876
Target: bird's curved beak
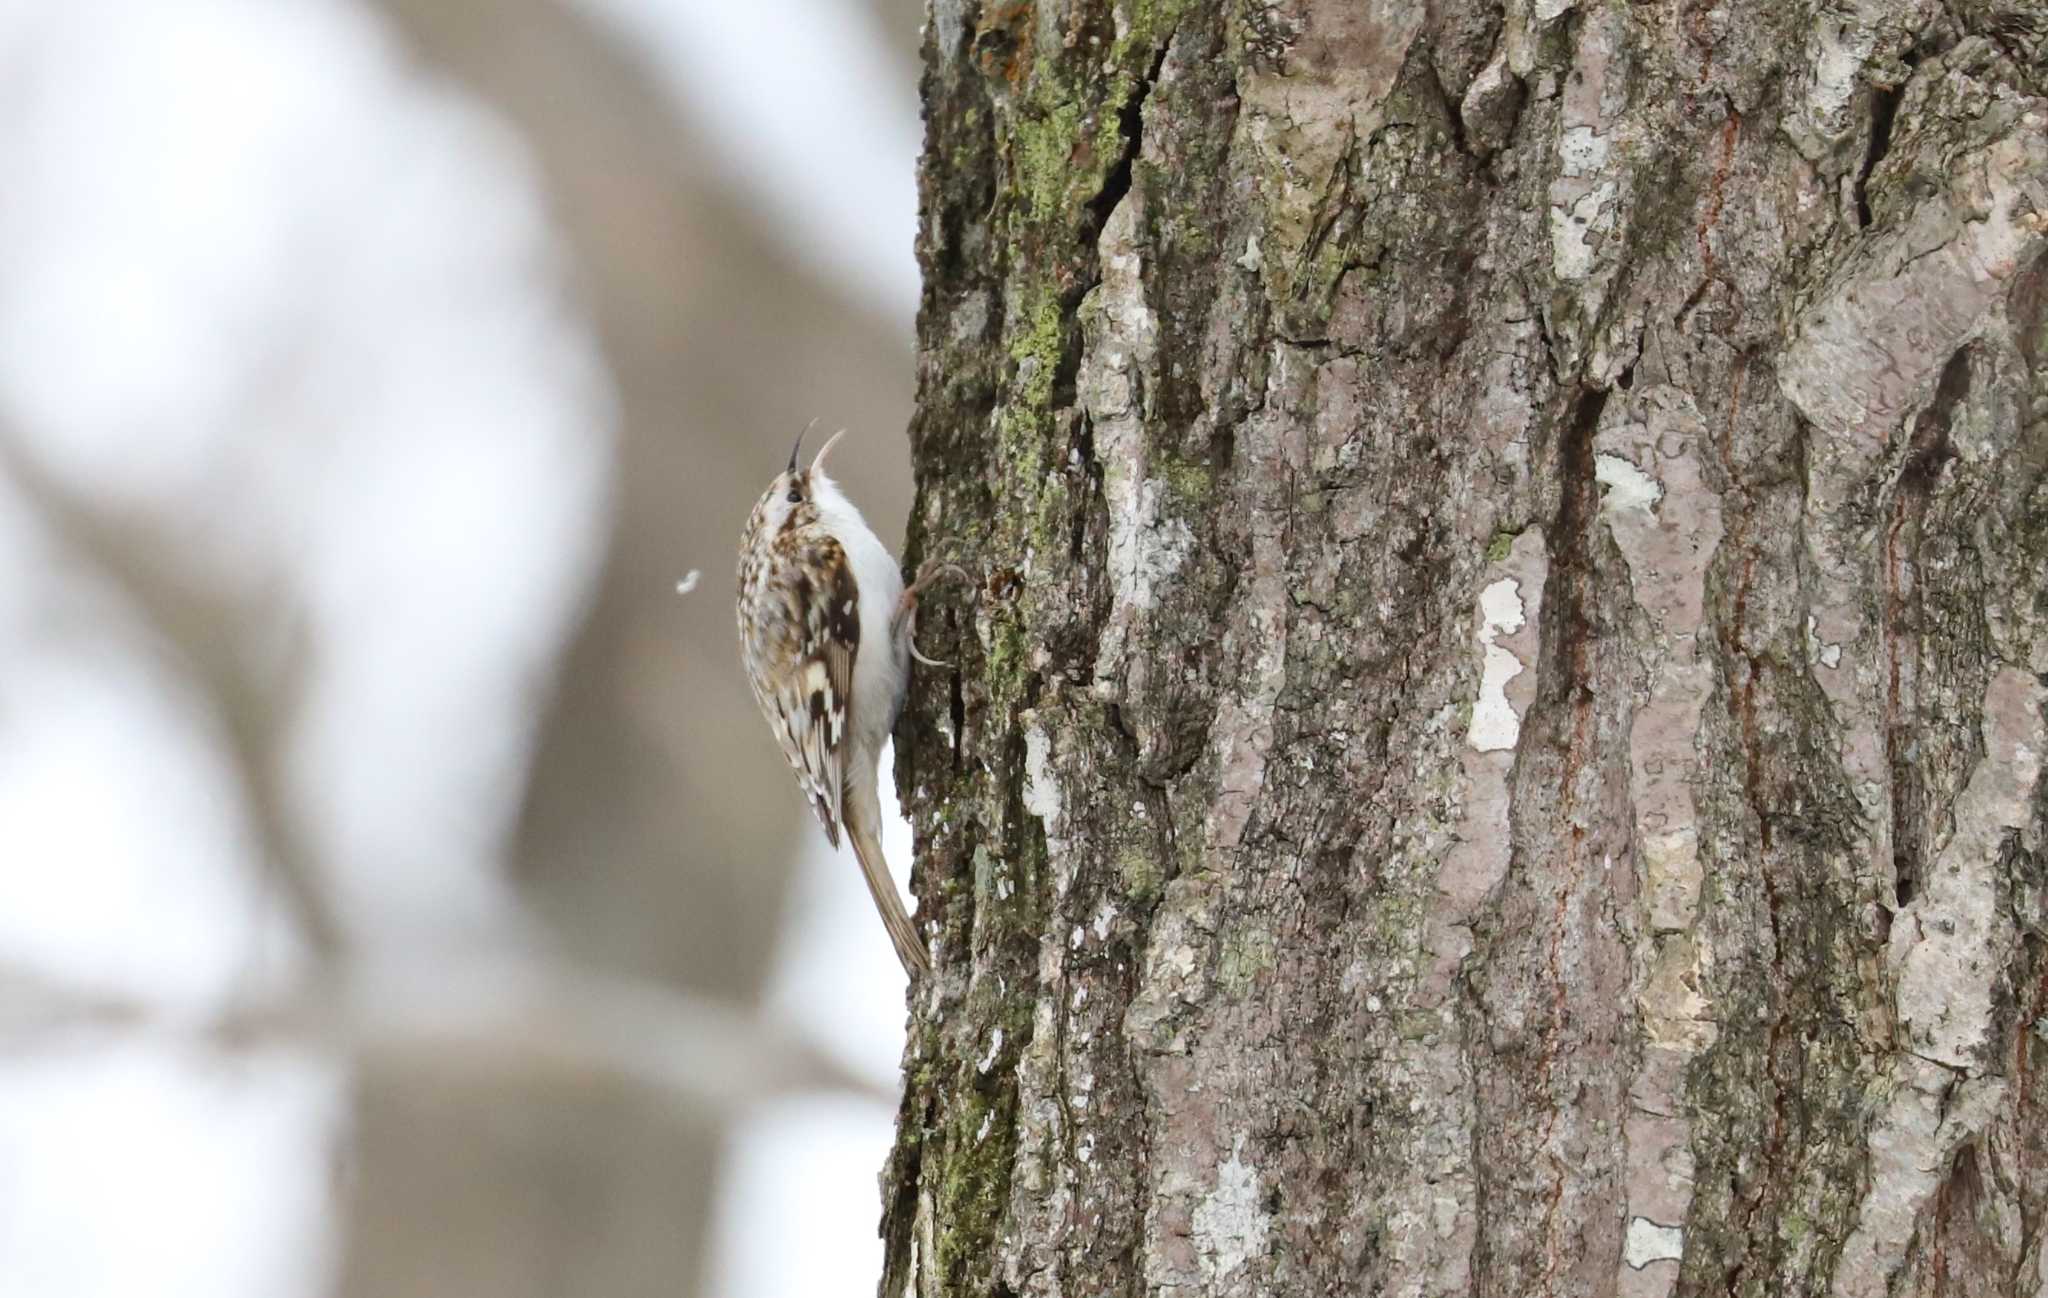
x=799 y=445
x=818 y=460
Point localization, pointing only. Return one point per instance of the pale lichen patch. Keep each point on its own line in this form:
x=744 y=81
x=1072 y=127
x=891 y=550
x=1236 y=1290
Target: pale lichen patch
x=1649 y=1241
x=1230 y=1223
x=1578 y=224
x=1041 y=793
x=1588 y=195
x=1820 y=653
x=1581 y=150
x=1495 y=725
x=1478 y=856
x=1146 y=548
x=1628 y=487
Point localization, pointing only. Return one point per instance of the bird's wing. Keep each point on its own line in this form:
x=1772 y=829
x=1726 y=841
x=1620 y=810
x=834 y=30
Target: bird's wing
x=814 y=697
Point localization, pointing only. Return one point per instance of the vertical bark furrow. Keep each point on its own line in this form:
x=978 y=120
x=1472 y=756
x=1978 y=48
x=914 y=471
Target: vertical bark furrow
x=1909 y=749
x=1551 y=973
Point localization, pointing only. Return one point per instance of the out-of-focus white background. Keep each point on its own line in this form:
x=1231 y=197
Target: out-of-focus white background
x=397 y=891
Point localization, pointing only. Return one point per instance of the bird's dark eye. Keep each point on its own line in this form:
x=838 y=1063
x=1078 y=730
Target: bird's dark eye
x=795 y=497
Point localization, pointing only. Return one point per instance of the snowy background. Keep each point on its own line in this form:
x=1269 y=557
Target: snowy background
x=397 y=893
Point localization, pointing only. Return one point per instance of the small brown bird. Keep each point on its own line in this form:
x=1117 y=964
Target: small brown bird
x=825 y=626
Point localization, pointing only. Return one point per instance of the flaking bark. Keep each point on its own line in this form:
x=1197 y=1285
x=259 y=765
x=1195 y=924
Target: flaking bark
x=1498 y=747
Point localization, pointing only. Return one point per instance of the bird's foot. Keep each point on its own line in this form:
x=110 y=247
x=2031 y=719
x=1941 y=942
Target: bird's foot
x=906 y=607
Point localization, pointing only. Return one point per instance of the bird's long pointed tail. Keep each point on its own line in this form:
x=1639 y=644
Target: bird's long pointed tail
x=881 y=886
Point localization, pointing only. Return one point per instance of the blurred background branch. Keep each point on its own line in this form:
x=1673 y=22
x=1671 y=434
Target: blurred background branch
x=502 y=1021
x=209 y=636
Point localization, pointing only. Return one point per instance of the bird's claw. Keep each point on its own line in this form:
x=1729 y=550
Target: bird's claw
x=906 y=606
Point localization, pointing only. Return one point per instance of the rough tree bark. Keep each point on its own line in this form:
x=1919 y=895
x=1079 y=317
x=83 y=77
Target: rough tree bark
x=1498 y=750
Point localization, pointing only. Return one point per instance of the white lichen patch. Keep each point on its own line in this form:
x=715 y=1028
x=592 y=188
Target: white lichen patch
x=1477 y=858
x=1230 y=1223
x=1585 y=195
x=1628 y=487
x=1581 y=150
x=1041 y=794
x=1820 y=653
x=1576 y=229
x=1495 y=725
x=1145 y=548
x=1650 y=1241
x=995 y=1047
x=1589 y=198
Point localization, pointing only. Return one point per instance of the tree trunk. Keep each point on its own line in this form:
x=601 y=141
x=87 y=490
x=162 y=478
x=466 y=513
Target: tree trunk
x=1497 y=748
